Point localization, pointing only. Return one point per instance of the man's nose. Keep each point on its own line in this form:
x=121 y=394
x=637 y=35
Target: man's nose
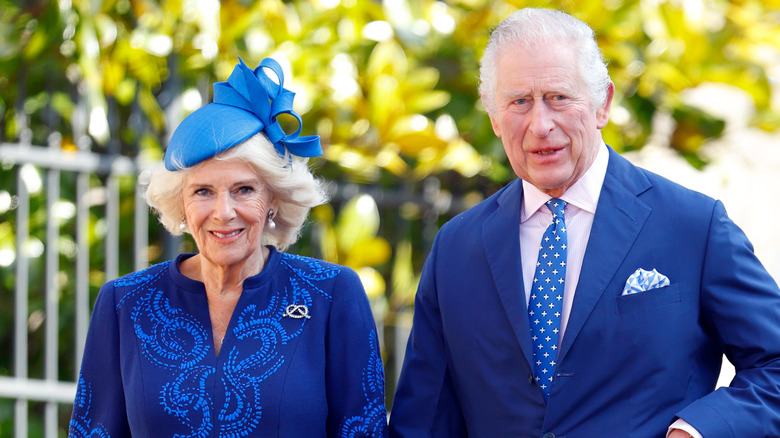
x=541 y=119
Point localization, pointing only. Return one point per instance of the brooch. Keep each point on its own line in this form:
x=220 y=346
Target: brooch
x=297 y=311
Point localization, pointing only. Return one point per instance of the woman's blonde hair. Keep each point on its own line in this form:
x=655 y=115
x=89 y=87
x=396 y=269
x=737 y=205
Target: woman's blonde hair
x=288 y=179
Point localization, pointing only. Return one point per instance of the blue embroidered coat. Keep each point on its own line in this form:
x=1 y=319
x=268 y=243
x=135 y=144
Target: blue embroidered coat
x=149 y=367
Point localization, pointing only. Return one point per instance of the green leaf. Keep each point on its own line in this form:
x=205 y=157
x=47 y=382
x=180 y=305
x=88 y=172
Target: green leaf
x=358 y=220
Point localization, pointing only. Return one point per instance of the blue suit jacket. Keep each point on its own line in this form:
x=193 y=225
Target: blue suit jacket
x=627 y=365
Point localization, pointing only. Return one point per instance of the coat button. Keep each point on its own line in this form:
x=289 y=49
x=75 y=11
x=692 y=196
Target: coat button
x=531 y=379
x=548 y=435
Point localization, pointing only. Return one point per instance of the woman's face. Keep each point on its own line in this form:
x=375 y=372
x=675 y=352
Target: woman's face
x=225 y=205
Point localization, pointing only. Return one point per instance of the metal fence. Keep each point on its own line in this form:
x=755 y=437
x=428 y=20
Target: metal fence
x=54 y=163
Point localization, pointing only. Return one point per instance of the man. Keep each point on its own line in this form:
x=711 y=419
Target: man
x=637 y=290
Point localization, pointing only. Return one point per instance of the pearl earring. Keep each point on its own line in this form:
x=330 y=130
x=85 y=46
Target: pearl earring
x=271 y=223
x=183 y=226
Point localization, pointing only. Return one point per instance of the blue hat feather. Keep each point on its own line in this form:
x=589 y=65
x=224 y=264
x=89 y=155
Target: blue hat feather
x=247 y=103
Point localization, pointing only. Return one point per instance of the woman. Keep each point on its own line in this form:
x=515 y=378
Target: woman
x=239 y=339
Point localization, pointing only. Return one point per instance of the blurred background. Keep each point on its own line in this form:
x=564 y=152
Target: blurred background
x=91 y=90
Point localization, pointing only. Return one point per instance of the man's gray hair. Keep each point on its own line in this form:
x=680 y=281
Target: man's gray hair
x=531 y=27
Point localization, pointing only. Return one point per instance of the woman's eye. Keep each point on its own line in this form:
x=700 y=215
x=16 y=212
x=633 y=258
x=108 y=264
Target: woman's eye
x=246 y=190
x=201 y=192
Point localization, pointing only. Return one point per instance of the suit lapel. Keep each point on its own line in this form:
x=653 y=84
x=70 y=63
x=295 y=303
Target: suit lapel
x=619 y=218
x=500 y=232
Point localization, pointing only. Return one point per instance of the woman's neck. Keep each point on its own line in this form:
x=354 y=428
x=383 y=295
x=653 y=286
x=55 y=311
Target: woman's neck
x=223 y=280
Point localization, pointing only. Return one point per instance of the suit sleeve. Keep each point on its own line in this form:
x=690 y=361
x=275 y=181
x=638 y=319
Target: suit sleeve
x=741 y=308
x=99 y=407
x=425 y=403
x=354 y=372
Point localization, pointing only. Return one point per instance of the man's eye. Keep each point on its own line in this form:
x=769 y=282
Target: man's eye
x=521 y=101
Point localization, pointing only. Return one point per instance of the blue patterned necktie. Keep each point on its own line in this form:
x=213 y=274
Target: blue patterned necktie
x=544 y=306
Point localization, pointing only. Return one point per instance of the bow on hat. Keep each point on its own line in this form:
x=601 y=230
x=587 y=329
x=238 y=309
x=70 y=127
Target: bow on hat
x=253 y=90
x=248 y=102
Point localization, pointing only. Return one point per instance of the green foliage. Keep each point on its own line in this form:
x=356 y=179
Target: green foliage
x=389 y=86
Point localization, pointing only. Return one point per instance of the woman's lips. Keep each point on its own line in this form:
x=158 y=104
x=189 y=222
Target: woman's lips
x=226 y=234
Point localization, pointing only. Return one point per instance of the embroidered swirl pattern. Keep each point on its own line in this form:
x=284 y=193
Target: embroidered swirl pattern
x=169 y=337
x=374 y=418
x=81 y=425
x=173 y=340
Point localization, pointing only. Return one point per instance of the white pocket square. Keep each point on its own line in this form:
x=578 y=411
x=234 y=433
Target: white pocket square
x=641 y=281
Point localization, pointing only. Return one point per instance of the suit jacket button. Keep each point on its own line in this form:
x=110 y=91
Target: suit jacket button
x=531 y=379
x=548 y=435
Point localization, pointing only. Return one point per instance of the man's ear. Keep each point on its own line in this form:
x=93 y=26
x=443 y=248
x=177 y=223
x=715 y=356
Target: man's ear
x=602 y=114
x=496 y=126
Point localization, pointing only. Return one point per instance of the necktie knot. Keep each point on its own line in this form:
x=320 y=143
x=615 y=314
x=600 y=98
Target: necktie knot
x=556 y=206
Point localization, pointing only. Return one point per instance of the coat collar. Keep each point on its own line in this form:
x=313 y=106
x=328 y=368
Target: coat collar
x=502 y=249
x=619 y=218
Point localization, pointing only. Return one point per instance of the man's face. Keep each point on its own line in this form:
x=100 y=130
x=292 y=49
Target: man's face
x=545 y=117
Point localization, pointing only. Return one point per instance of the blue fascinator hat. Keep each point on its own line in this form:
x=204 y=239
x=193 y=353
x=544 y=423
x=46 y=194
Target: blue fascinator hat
x=247 y=103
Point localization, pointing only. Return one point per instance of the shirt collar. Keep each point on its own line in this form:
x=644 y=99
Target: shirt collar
x=583 y=194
